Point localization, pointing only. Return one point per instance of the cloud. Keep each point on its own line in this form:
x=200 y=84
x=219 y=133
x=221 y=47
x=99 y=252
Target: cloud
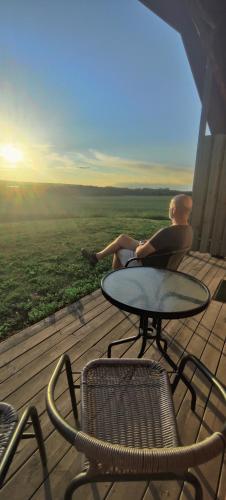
x=44 y=163
x=134 y=172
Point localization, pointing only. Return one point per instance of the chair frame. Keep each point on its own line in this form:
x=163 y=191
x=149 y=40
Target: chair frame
x=70 y=433
x=30 y=416
x=149 y=260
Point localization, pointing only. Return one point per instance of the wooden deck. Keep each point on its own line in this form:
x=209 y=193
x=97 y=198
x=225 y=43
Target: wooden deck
x=84 y=330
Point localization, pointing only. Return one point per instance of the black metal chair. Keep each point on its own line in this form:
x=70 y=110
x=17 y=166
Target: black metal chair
x=169 y=259
x=12 y=430
x=161 y=260
x=128 y=429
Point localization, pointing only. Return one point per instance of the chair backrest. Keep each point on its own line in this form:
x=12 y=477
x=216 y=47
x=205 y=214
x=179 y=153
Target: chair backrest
x=165 y=260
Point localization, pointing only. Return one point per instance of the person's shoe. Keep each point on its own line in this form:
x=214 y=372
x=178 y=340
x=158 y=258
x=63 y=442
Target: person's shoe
x=90 y=256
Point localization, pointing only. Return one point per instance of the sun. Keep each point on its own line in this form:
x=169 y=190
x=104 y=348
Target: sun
x=11 y=153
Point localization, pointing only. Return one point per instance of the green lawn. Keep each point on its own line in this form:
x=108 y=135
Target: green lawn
x=41 y=266
x=18 y=205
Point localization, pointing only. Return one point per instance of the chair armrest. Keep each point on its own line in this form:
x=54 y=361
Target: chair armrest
x=67 y=431
x=133 y=260
x=151 y=259
x=157 y=256
x=206 y=372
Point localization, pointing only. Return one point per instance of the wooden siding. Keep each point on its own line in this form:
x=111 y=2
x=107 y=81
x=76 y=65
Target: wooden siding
x=209 y=198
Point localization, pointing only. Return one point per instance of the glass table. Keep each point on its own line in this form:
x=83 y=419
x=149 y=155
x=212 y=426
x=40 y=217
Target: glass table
x=154 y=293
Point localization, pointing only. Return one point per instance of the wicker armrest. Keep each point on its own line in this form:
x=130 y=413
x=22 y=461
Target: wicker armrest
x=63 y=427
x=112 y=458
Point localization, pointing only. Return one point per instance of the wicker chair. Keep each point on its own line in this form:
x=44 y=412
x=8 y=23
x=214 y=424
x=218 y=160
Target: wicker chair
x=129 y=430
x=12 y=431
x=161 y=260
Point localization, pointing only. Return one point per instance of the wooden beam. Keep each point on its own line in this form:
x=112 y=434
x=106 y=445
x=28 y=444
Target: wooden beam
x=195 y=23
x=196 y=59
x=172 y=12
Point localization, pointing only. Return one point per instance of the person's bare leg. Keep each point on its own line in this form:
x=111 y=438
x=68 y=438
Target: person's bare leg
x=123 y=241
x=116 y=264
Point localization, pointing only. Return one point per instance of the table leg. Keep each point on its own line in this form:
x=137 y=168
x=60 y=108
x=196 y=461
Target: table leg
x=159 y=339
x=123 y=341
x=144 y=328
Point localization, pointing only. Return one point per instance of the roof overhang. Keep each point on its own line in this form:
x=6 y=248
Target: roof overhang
x=201 y=24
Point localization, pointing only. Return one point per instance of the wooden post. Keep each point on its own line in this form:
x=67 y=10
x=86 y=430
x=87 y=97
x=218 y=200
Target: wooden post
x=218 y=239
x=209 y=195
x=210 y=223
x=202 y=163
x=209 y=186
x=200 y=189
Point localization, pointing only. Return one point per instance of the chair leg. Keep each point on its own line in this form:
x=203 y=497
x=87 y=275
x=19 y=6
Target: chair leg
x=84 y=478
x=180 y=375
x=38 y=434
x=190 y=478
x=19 y=434
x=71 y=387
x=76 y=482
x=122 y=341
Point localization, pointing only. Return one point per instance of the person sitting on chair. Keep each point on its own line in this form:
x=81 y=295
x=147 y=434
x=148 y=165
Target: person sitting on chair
x=175 y=237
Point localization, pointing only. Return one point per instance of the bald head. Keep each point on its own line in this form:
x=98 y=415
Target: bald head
x=180 y=208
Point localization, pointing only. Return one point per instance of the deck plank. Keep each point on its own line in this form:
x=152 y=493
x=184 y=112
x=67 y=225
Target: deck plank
x=75 y=308
x=84 y=331
x=213 y=419
x=78 y=361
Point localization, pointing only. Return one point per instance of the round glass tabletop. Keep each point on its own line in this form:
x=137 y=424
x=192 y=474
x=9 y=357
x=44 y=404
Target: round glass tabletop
x=167 y=294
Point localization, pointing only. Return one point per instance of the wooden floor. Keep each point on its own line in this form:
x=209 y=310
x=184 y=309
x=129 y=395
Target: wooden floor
x=84 y=330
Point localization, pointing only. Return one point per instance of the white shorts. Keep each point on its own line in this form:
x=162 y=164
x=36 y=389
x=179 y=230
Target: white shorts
x=124 y=255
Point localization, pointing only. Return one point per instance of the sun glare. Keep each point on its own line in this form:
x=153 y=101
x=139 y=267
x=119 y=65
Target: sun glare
x=11 y=153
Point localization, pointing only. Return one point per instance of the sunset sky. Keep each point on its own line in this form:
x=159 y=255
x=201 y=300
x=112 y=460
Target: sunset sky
x=94 y=92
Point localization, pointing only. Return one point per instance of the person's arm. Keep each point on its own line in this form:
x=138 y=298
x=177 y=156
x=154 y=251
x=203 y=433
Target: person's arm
x=145 y=249
x=156 y=243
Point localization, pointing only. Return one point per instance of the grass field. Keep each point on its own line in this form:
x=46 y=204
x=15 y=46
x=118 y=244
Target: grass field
x=41 y=266
x=16 y=206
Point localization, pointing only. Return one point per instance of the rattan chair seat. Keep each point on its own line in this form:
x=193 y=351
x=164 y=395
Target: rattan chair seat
x=128 y=403
x=8 y=421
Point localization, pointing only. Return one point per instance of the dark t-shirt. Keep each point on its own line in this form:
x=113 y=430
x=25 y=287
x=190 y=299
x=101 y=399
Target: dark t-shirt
x=172 y=238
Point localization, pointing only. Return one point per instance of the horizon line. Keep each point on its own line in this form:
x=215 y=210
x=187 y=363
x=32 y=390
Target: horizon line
x=161 y=187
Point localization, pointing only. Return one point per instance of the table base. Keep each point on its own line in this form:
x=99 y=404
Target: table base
x=146 y=333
